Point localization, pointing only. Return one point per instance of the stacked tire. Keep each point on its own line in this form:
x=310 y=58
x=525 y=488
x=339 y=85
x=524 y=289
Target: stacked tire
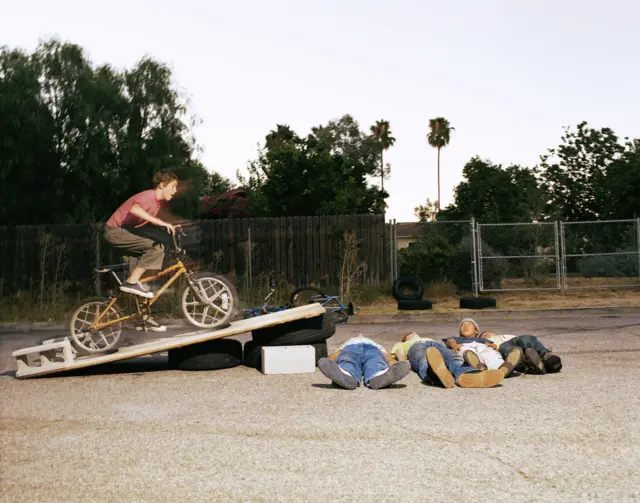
x=209 y=355
x=304 y=332
x=408 y=291
x=223 y=353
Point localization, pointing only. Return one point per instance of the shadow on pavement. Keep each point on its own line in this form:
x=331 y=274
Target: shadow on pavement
x=335 y=386
x=139 y=365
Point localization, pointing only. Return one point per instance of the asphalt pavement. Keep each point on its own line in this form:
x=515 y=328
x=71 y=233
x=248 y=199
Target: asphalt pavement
x=136 y=431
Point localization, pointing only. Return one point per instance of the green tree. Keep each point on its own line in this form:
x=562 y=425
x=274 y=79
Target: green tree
x=622 y=184
x=79 y=139
x=381 y=133
x=439 y=136
x=323 y=174
x=574 y=173
x=492 y=193
x=426 y=213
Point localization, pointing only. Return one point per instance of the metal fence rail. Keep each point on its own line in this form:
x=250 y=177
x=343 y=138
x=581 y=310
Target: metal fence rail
x=518 y=256
x=521 y=256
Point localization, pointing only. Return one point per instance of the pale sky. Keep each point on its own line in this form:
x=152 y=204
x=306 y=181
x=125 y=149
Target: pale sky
x=507 y=74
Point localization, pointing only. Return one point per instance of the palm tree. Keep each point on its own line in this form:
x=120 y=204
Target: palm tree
x=438 y=137
x=381 y=132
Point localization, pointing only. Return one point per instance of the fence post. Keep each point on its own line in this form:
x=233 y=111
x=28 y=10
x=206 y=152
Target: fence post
x=390 y=250
x=395 y=249
x=474 y=260
x=638 y=231
x=98 y=286
x=559 y=263
x=563 y=251
x=250 y=252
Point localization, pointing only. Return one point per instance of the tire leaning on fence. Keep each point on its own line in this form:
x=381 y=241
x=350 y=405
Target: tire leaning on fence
x=477 y=302
x=405 y=284
x=414 y=305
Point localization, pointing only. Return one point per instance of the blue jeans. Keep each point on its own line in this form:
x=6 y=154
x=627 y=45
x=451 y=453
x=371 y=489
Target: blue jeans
x=524 y=342
x=362 y=360
x=418 y=358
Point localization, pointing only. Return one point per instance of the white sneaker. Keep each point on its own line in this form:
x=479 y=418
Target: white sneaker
x=152 y=325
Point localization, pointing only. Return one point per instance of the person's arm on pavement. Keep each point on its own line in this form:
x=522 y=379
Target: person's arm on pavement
x=399 y=355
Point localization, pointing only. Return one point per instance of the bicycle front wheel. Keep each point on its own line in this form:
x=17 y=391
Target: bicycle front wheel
x=90 y=342
x=306 y=295
x=219 y=298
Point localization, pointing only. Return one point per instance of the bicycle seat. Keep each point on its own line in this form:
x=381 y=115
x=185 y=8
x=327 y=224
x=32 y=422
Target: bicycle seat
x=109 y=268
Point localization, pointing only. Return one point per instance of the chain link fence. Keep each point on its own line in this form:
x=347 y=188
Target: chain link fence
x=439 y=253
x=519 y=256
x=535 y=256
x=601 y=254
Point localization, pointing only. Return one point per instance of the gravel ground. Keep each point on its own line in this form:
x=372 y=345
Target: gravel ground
x=134 y=431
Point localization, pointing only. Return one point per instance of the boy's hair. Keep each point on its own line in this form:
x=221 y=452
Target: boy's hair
x=165 y=177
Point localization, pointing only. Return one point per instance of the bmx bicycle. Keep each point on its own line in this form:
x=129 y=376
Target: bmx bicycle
x=207 y=301
x=252 y=312
x=332 y=303
x=338 y=311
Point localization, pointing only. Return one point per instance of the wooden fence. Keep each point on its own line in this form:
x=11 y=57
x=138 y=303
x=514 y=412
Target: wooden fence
x=300 y=250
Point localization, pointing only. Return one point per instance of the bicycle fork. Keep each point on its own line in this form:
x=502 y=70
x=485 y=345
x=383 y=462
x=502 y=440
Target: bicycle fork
x=201 y=296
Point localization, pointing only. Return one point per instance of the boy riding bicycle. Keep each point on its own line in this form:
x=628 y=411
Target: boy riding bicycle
x=127 y=230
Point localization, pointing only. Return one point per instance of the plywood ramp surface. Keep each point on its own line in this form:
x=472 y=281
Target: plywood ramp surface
x=176 y=341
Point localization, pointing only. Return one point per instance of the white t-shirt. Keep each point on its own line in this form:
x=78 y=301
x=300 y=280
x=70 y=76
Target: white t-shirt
x=499 y=339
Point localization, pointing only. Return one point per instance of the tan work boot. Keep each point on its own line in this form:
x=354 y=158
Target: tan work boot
x=471 y=359
x=439 y=368
x=484 y=379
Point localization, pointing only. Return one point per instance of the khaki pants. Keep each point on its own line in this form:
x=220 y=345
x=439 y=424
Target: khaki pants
x=139 y=251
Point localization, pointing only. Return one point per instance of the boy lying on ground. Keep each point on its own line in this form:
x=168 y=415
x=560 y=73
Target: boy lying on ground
x=359 y=359
x=538 y=358
x=436 y=364
x=484 y=355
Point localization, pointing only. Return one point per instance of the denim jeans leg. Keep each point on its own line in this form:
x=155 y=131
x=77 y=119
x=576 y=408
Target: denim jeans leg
x=374 y=361
x=531 y=341
x=417 y=357
x=350 y=359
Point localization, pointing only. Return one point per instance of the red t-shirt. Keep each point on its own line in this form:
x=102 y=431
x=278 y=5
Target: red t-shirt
x=123 y=216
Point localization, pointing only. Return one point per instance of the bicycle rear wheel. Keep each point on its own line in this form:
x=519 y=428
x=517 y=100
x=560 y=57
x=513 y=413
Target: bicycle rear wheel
x=90 y=342
x=306 y=295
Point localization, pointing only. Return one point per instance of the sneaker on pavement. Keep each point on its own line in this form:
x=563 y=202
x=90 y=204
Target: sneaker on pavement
x=484 y=379
x=152 y=325
x=332 y=370
x=439 y=368
x=533 y=361
x=393 y=374
x=513 y=359
x=136 y=289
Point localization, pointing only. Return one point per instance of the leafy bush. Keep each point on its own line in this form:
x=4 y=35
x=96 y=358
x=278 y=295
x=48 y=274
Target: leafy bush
x=434 y=259
x=609 y=266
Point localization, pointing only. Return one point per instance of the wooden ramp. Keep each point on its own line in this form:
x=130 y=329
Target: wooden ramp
x=58 y=357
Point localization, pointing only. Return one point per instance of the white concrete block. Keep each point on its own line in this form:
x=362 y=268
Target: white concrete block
x=288 y=359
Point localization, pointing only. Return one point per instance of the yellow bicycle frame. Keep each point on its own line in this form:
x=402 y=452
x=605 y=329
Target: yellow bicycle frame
x=178 y=267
